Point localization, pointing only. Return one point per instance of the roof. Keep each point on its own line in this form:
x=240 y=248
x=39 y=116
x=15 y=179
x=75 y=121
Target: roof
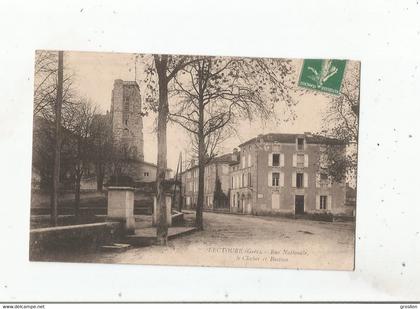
x=225 y=158
x=152 y=165
x=291 y=138
x=127 y=82
x=130 y=83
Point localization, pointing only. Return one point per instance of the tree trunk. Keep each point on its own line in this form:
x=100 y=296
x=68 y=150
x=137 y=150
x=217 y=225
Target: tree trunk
x=201 y=166
x=162 y=225
x=56 y=172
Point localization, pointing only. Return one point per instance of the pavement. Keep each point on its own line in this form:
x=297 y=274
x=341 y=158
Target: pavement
x=247 y=241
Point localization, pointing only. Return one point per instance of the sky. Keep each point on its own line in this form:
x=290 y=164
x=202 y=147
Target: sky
x=94 y=75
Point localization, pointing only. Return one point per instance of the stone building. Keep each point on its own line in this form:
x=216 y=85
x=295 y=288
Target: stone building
x=284 y=173
x=216 y=183
x=127 y=130
x=127 y=122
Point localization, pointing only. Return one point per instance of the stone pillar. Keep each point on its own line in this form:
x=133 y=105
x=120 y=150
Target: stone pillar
x=168 y=199
x=121 y=206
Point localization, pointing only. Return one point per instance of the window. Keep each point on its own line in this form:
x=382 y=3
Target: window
x=299 y=180
x=243 y=161
x=146 y=174
x=126 y=110
x=126 y=104
x=324 y=176
x=249 y=180
x=188 y=201
x=300 y=143
x=323 y=202
x=243 y=180
x=300 y=160
x=276 y=159
x=275 y=179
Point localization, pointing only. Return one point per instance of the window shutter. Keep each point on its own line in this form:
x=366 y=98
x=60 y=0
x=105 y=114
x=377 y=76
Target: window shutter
x=270 y=179
x=329 y=182
x=294 y=180
x=281 y=179
x=318 y=205
x=294 y=160
x=282 y=159
x=305 y=180
x=329 y=204
x=270 y=159
x=318 y=180
x=306 y=160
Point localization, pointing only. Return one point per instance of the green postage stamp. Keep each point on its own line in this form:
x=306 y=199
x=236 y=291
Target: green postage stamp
x=322 y=74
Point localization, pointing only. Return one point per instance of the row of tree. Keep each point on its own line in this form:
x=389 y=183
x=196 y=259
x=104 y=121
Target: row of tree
x=71 y=139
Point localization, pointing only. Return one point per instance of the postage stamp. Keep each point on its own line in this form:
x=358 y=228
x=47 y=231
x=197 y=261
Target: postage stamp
x=323 y=74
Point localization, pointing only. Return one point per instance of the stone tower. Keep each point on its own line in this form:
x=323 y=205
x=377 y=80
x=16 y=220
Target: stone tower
x=127 y=123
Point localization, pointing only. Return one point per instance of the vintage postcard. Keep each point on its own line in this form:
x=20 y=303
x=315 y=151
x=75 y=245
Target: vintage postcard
x=194 y=160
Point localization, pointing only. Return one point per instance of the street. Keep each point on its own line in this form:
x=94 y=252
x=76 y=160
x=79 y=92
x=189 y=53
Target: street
x=247 y=241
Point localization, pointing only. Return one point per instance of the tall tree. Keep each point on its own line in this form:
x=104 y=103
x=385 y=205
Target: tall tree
x=165 y=68
x=82 y=147
x=215 y=92
x=342 y=122
x=56 y=173
x=45 y=86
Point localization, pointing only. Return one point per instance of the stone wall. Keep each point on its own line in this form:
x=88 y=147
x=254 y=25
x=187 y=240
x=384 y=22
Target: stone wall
x=73 y=237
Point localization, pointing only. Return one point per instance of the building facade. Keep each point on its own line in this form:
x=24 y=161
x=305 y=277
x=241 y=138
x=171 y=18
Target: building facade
x=284 y=173
x=216 y=184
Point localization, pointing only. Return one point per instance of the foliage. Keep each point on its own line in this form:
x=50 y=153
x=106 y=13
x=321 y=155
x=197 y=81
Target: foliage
x=341 y=122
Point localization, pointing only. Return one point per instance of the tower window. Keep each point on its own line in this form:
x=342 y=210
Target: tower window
x=126 y=105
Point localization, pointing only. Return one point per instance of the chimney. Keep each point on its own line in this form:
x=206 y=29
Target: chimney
x=235 y=154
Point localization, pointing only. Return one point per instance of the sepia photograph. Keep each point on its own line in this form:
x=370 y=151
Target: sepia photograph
x=185 y=160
